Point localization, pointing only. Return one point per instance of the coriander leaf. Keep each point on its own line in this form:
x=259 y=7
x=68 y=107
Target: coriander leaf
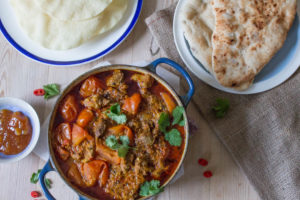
x=221 y=107
x=125 y=140
x=182 y=122
x=116 y=109
x=48 y=183
x=178 y=116
x=120 y=119
x=150 y=188
x=164 y=121
x=35 y=177
x=123 y=150
x=174 y=137
x=111 y=142
x=114 y=113
x=51 y=90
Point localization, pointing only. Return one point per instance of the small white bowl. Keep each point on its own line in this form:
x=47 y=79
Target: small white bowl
x=14 y=105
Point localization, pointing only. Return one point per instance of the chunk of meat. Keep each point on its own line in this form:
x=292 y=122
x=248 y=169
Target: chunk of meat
x=115 y=79
x=79 y=134
x=91 y=86
x=63 y=134
x=84 y=117
x=170 y=103
x=131 y=104
x=114 y=94
x=69 y=109
x=99 y=127
x=75 y=176
x=63 y=154
x=93 y=171
x=120 y=130
x=83 y=152
x=105 y=153
x=144 y=81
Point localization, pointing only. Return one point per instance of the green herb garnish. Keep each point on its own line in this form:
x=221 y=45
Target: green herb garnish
x=35 y=178
x=112 y=142
x=151 y=188
x=174 y=137
x=51 y=90
x=115 y=114
x=221 y=108
x=178 y=116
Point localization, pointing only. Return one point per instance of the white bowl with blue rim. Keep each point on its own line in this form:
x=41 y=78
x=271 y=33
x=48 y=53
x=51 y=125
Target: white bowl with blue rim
x=15 y=105
x=282 y=66
x=87 y=52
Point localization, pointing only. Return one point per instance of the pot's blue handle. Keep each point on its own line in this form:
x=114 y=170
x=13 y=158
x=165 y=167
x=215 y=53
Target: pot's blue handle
x=47 y=168
x=186 y=98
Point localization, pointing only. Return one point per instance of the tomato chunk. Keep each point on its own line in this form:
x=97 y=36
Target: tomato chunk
x=79 y=134
x=170 y=103
x=85 y=117
x=131 y=104
x=93 y=171
x=91 y=86
x=69 y=108
x=107 y=154
x=63 y=134
x=121 y=130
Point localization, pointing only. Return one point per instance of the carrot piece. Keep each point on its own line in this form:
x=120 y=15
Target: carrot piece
x=107 y=154
x=79 y=134
x=121 y=130
x=84 y=117
x=170 y=103
x=131 y=104
x=69 y=108
x=91 y=86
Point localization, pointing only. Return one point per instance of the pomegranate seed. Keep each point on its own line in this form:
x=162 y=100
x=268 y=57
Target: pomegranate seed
x=39 y=92
x=35 y=194
x=207 y=174
x=202 y=162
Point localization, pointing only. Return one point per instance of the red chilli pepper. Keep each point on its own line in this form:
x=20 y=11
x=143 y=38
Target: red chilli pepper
x=35 y=194
x=202 y=162
x=39 y=92
x=207 y=174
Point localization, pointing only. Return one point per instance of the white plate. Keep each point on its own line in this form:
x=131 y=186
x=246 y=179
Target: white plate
x=87 y=52
x=279 y=69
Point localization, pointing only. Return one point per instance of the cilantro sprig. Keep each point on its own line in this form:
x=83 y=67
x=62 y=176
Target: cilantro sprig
x=122 y=148
x=151 y=188
x=115 y=114
x=173 y=136
x=35 y=178
x=51 y=90
x=221 y=107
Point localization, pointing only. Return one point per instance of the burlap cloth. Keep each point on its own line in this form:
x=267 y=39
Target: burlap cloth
x=262 y=131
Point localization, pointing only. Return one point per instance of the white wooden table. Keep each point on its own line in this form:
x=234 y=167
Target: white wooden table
x=19 y=76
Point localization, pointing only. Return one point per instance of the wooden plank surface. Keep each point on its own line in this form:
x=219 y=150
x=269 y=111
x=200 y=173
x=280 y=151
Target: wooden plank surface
x=19 y=76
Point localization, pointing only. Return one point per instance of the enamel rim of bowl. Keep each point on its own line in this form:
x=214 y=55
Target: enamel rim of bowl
x=82 y=77
x=75 y=62
x=23 y=106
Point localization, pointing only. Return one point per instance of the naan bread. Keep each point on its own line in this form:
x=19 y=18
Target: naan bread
x=198 y=23
x=73 y=9
x=247 y=34
x=60 y=35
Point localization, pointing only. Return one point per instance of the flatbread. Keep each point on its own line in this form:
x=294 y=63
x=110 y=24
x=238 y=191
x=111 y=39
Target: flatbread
x=73 y=9
x=61 y=35
x=247 y=34
x=198 y=23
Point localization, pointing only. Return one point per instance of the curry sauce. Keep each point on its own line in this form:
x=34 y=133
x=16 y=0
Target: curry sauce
x=15 y=132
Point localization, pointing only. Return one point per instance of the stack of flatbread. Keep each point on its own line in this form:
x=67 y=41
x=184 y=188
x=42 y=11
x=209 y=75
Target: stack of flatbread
x=235 y=39
x=65 y=24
